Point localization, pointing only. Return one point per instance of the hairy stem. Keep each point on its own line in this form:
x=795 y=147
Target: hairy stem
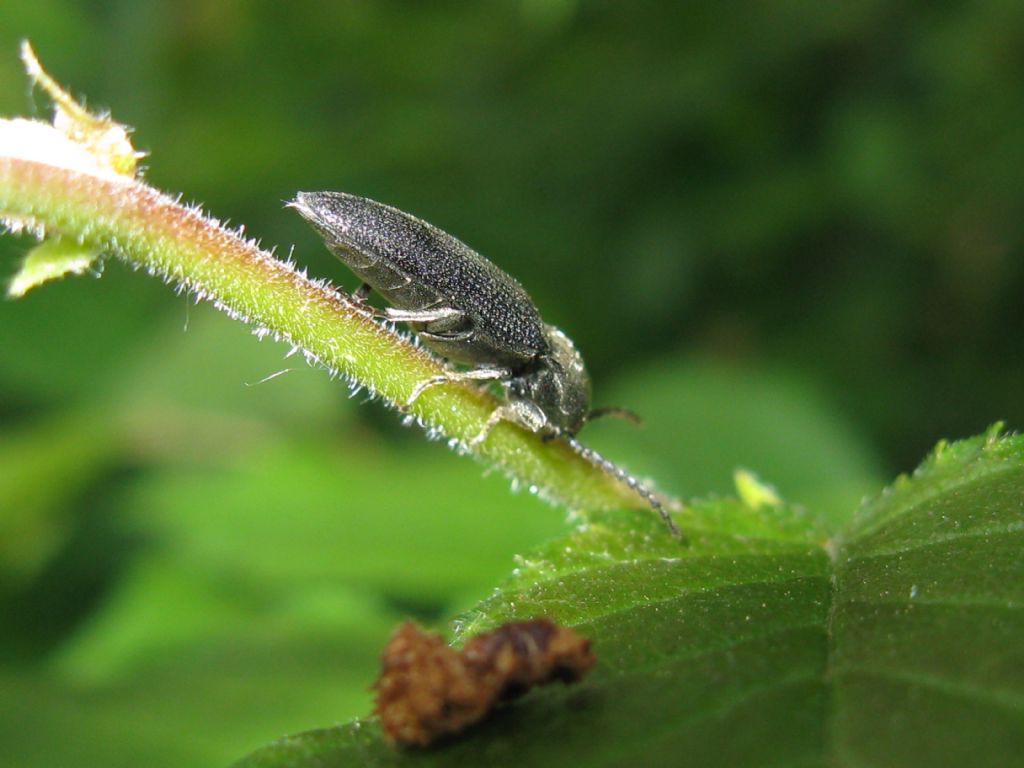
x=120 y=215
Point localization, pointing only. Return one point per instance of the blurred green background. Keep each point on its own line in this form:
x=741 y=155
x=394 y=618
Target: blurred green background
x=787 y=234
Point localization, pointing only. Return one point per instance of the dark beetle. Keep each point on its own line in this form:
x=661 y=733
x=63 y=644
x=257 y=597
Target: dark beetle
x=460 y=305
x=470 y=312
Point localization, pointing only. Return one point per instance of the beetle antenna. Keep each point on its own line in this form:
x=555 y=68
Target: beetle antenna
x=616 y=412
x=641 y=490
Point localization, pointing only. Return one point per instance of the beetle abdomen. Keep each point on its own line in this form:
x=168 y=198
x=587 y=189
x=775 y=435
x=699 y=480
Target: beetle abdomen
x=415 y=266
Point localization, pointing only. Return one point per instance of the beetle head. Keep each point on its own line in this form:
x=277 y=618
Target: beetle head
x=556 y=384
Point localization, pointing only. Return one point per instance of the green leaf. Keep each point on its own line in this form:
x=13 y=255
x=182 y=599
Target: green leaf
x=898 y=643
x=703 y=420
x=159 y=713
x=50 y=260
x=414 y=547
x=42 y=468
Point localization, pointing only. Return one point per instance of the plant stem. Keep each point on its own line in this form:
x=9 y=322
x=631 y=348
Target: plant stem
x=145 y=228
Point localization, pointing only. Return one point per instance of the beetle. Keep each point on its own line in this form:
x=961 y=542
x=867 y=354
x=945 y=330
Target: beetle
x=461 y=306
x=468 y=311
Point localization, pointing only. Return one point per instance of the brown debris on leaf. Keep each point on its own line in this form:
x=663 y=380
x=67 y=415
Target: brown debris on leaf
x=428 y=689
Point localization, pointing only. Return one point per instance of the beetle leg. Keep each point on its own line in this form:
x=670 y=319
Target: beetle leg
x=522 y=412
x=422 y=315
x=452 y=336
x=501 y=413
x=476 y=374
x=406 y=282
x=429 y=315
